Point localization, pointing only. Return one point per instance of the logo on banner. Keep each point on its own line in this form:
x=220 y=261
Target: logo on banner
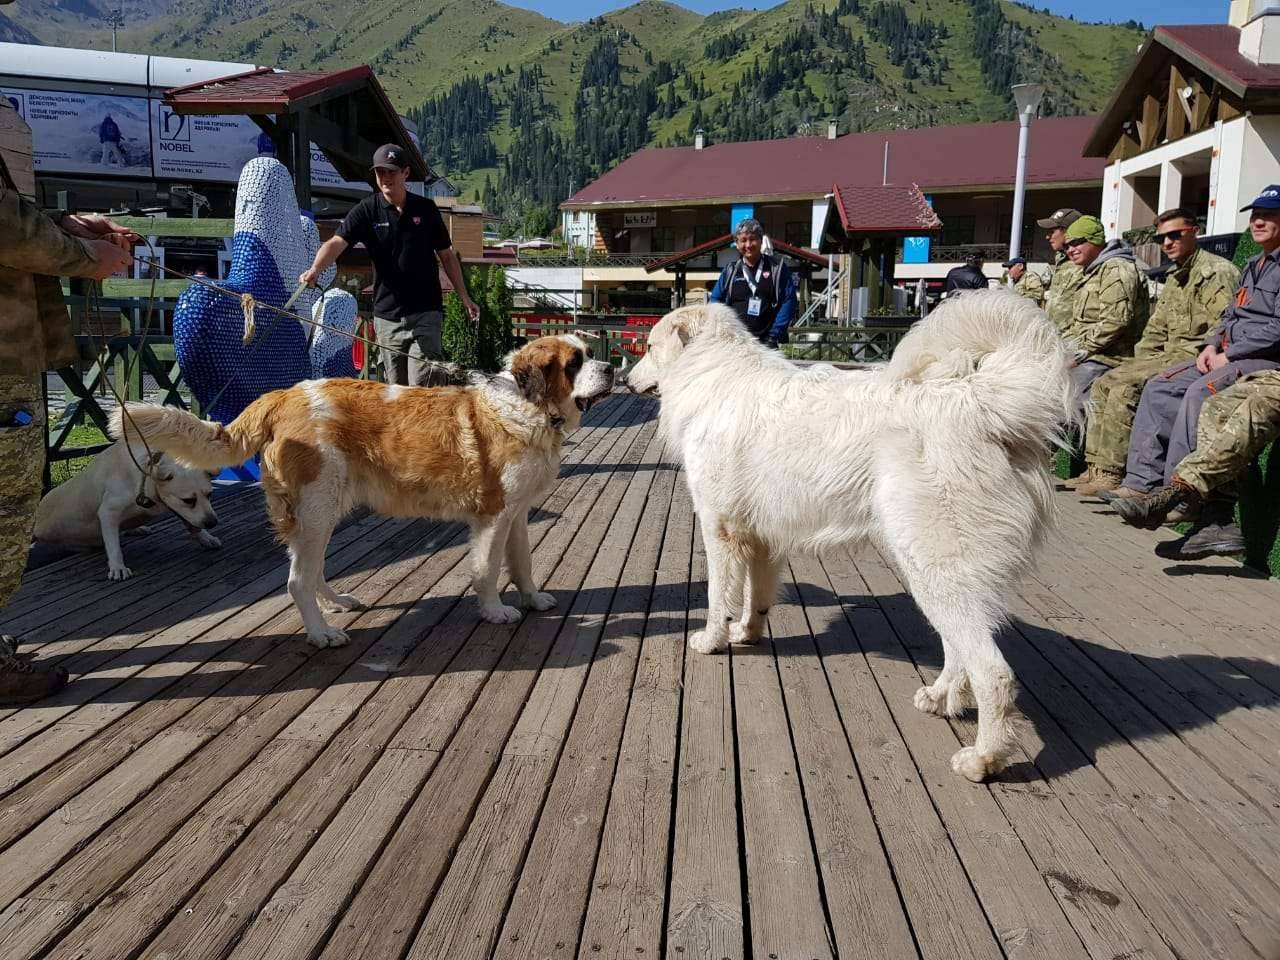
x=18 y=102
x=173 y=128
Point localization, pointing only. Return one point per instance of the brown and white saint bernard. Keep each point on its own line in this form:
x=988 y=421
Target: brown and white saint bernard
x=480 y=454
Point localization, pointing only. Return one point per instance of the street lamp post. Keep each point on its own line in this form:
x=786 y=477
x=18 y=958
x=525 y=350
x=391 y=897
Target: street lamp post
x=1027 y=96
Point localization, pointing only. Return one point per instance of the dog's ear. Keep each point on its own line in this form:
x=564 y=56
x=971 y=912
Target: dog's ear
x=164 y=476
x=530 y=378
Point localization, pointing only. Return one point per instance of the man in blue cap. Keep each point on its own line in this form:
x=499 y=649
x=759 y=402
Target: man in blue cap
x=1024 y=282
x=1246 y=340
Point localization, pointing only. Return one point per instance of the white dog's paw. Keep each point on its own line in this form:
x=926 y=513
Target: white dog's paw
x=538 y=601
x=973 y=766
x=119 y=573
x=208 y=540
x=330 y=636
x=342 y=603
x=500 y=614
x=705 y=641
x=142 y=531
x=739 y=634
x=926 y=702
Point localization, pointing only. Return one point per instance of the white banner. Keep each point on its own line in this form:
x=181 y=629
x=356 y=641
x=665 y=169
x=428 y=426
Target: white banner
x=204 y=148
x=86 y=132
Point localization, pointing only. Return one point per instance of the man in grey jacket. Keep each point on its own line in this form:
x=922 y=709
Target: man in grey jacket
x=1247 y=340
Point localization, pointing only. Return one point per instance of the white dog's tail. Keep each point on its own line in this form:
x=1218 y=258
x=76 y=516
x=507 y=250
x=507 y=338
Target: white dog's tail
x=195 y=442
x=992 y=364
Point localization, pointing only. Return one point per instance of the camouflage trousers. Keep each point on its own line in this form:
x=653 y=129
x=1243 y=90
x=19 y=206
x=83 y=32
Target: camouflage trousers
x=21 y=470
x=1234 y=427
x=1113 y=403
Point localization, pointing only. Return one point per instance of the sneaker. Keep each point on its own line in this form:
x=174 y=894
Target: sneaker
x=1120 y=493
x=1102 y=481
x=23 y=682
x=1152 y=509
x=1207 y=540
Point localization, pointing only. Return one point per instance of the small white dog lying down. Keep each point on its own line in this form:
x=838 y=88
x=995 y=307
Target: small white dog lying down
x=940 y=457
x=94 y=506
x=480 y=454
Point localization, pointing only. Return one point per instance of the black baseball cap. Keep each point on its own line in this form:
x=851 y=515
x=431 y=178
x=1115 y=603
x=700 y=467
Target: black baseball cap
x=1059 y=218
x=1014 y=262
x=390 y=156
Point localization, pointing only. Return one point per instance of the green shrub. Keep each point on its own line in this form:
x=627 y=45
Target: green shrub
x=479 y=346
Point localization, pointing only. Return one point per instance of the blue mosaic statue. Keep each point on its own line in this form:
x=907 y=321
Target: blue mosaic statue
x=272 y=245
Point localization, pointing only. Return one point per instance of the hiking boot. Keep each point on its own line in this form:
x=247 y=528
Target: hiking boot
x=1207 y=540
x=23 y=682
x=1183 y=512
x=1102 y=481
x=1152 y=509
x=1120 y=493
x=1083 y=477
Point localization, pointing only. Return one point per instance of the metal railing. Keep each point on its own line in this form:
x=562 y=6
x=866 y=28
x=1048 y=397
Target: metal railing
x=559 y=258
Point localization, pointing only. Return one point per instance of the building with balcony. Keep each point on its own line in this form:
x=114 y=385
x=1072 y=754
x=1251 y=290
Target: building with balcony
x=663 y=200
x=1196 y=123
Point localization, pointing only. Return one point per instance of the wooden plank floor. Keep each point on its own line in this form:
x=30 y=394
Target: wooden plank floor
x=577 y=786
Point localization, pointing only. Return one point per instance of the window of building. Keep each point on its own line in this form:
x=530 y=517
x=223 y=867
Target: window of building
x=662 y=240
x=796 y=233
x=957 y=230
x=708 y=231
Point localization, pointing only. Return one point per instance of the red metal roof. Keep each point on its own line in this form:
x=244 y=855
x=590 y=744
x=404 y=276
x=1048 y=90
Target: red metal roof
x=1215 y=49
x=1210 y=48
x=264 y=88
x=977 y=154
x=884 y=210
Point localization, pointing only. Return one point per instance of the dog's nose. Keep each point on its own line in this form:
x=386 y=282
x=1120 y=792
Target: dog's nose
x=212 y=522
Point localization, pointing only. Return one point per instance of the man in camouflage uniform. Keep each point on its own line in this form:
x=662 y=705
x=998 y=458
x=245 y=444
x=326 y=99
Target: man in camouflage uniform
x=1246 y=341
x=1196 y=293
x=1234 y=427
x=1025 y=282
x=1110 y=310
x=35 y=334
x=1066 y=279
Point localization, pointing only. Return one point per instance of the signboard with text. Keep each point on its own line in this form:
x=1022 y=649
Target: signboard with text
x=85 y=132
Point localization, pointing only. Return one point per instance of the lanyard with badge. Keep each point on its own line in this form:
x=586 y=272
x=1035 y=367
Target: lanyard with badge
x=754 y=304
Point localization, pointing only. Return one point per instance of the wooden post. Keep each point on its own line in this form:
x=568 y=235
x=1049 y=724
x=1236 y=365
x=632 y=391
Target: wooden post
x=302 y=162
x=1175 y=122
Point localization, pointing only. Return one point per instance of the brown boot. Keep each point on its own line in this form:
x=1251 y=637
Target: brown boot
x=23 y=682
x=1120 y=493
x=1083 y=477
x=1102 y=480
x=1153 y=509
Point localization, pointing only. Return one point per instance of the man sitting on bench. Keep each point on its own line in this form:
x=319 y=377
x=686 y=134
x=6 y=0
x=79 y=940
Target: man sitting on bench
x=1234 y=427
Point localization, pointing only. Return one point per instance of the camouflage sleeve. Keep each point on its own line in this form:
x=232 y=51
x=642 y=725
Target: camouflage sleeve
x=1115 y=308
x=1216 y=294
x=34 y=243
x=1156 y=333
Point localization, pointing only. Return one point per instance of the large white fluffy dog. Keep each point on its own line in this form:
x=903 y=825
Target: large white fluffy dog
x=480 y=454
x=940 y=457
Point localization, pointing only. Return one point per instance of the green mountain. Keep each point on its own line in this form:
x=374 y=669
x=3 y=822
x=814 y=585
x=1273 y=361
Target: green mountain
x=521 y=109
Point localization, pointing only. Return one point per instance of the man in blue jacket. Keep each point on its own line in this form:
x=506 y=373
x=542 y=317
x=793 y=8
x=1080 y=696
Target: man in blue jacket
x=760 y=289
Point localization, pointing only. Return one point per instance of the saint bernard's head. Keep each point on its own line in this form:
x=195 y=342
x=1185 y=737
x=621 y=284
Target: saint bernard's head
x=559 y=374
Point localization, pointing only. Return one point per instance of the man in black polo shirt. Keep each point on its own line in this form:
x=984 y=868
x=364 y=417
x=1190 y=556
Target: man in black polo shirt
x=404 y=235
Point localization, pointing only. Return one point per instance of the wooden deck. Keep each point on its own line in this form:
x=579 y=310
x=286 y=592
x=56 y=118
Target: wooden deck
x=577 y=786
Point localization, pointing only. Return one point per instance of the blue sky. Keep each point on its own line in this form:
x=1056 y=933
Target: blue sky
x=1149 y=12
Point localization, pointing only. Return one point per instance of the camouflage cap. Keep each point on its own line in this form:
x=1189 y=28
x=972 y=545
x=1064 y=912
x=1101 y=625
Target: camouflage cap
x=1088 y=229
x=1059 y=218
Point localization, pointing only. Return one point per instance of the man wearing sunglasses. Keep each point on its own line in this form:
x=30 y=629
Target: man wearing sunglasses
x=1246 y=341
x=1110 y=310
x=1195 y=293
